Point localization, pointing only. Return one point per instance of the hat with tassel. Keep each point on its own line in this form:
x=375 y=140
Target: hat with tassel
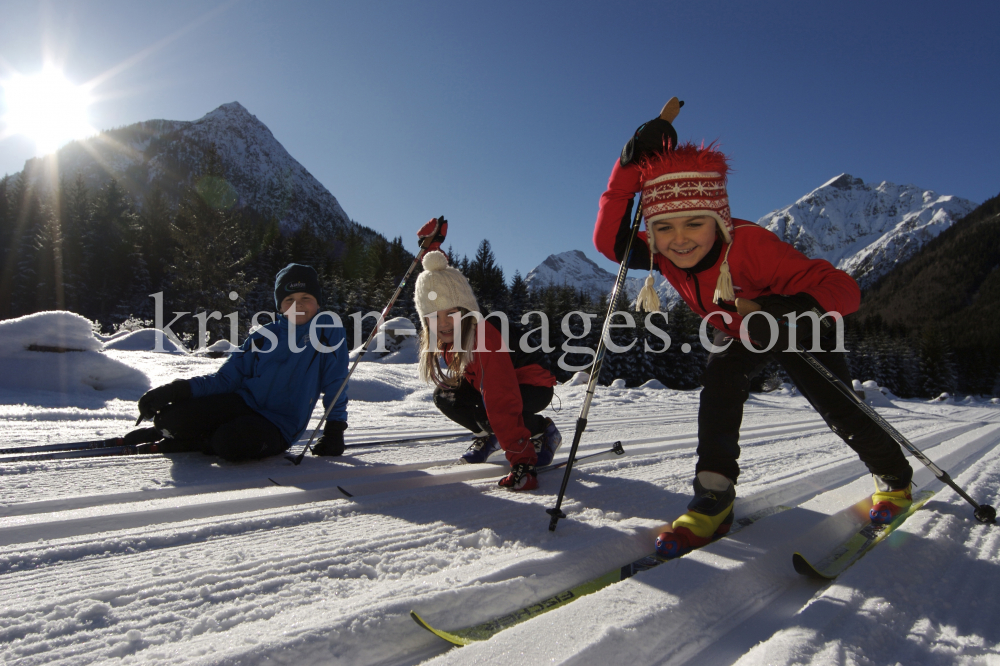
x=688 y=181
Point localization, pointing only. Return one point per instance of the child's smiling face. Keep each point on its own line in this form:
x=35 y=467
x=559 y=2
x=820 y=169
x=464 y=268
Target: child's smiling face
x=684 y=240
x=305 y=306
x=444 y=324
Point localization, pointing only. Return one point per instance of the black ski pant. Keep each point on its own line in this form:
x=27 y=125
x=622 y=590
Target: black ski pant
x=464 y=406
x=222 y=425
x=726 y=385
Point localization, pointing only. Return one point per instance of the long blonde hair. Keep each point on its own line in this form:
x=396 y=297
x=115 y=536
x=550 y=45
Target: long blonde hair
x=430 y=364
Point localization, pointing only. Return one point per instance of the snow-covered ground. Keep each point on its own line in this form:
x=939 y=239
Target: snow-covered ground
x=182 y=559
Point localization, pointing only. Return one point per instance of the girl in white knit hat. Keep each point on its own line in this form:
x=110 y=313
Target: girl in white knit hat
x=496 y=394
x=713 y=261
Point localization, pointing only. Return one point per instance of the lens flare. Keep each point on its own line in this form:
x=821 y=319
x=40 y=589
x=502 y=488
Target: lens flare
x=46 y=109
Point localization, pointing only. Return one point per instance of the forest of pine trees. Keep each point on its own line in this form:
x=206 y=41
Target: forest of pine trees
x=101 y=254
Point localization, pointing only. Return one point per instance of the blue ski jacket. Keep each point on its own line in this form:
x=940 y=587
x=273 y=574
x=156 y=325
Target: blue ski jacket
x=280 y=384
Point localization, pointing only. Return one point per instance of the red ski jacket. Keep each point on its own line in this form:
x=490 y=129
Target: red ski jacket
x=760 y=262
x=492 y=373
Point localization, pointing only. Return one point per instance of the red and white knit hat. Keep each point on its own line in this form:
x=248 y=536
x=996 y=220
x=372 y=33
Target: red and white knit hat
x=685 y=182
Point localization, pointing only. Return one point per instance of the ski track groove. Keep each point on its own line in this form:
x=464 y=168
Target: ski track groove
x=67 y=600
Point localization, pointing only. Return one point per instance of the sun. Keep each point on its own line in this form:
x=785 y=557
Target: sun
x=46 y=109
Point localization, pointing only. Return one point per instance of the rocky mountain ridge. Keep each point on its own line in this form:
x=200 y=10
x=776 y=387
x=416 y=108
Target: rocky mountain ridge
x=168 y=155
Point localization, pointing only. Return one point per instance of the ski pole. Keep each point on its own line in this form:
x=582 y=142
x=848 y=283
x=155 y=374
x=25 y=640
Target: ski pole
x=616 y=449
x=595 y=370
x=364 y=348
x=984 y=513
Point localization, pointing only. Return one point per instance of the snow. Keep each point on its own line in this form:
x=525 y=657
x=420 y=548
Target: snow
x=145 y=340
x=862 y=228
x=63 y=330
x=397 y=341
x=259 y=170
x=874 y=395
x=575 y=269
x=184 y=559
x=57 y=352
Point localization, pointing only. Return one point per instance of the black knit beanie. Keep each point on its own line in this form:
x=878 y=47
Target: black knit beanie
x=295 y=278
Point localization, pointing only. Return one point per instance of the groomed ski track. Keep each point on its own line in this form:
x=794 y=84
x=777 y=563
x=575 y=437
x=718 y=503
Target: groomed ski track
x=178 y=559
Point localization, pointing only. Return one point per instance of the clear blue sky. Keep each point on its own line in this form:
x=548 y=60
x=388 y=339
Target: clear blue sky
x=506 y=117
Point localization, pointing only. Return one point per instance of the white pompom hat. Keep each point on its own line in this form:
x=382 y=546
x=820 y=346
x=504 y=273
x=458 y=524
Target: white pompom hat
x=441 y=287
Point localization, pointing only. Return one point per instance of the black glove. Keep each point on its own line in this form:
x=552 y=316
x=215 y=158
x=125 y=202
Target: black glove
x=331 y=442
x=781 y=308
x=428 y=232
x=656 y=136
x=156 y=399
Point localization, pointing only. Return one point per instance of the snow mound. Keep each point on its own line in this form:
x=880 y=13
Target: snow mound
x=144 y=340
x=224 y=346
x=48 y=330
x=578 y=379
x=874 y=395
x=217 y=349
x=396 y=342
x=30 y=358
x=618 y=383
x=653 y=384
x=374 y=390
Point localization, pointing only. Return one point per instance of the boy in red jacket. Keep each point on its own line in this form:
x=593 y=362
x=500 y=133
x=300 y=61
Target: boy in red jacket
x=494 y=393
x=711 y=259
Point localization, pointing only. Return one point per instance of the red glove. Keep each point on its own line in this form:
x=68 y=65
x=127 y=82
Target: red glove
x=432 y=234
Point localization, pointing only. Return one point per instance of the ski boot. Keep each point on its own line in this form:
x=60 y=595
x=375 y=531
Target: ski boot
x=482 y=446
x=889 y=502
x=547 y=443
x=709 y=516
x=522 y=477
x=142 y=436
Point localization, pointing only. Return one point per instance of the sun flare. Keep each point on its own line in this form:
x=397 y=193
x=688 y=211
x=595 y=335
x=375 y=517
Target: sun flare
x=46 y=109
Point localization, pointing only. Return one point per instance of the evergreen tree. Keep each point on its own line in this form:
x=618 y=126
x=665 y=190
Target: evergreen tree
x=156 y=240
x=215 y=244
x=30 y=221
x=108 y=242
x=518 y=299
x=936 y=373
x=7 y=244
x=76 y=215
x=487 y=280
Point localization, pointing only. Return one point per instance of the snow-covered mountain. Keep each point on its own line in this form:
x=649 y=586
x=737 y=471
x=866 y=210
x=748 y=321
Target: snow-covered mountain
x=866 y=230
x=168 y=154
x=575 y=269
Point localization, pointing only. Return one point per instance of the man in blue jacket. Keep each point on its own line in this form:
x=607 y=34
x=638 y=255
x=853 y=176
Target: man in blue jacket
x=259 y=402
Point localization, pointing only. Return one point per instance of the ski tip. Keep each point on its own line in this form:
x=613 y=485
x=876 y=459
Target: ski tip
x=419 y=620
x=451 y=638
x=347 y=494
x=803 y=567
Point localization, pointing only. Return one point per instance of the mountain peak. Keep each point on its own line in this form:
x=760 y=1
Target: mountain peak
x=167 y=154
x=844 y=181
x=232 y=111
x=571 y=259
x=865 y=229
x=575 y=269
